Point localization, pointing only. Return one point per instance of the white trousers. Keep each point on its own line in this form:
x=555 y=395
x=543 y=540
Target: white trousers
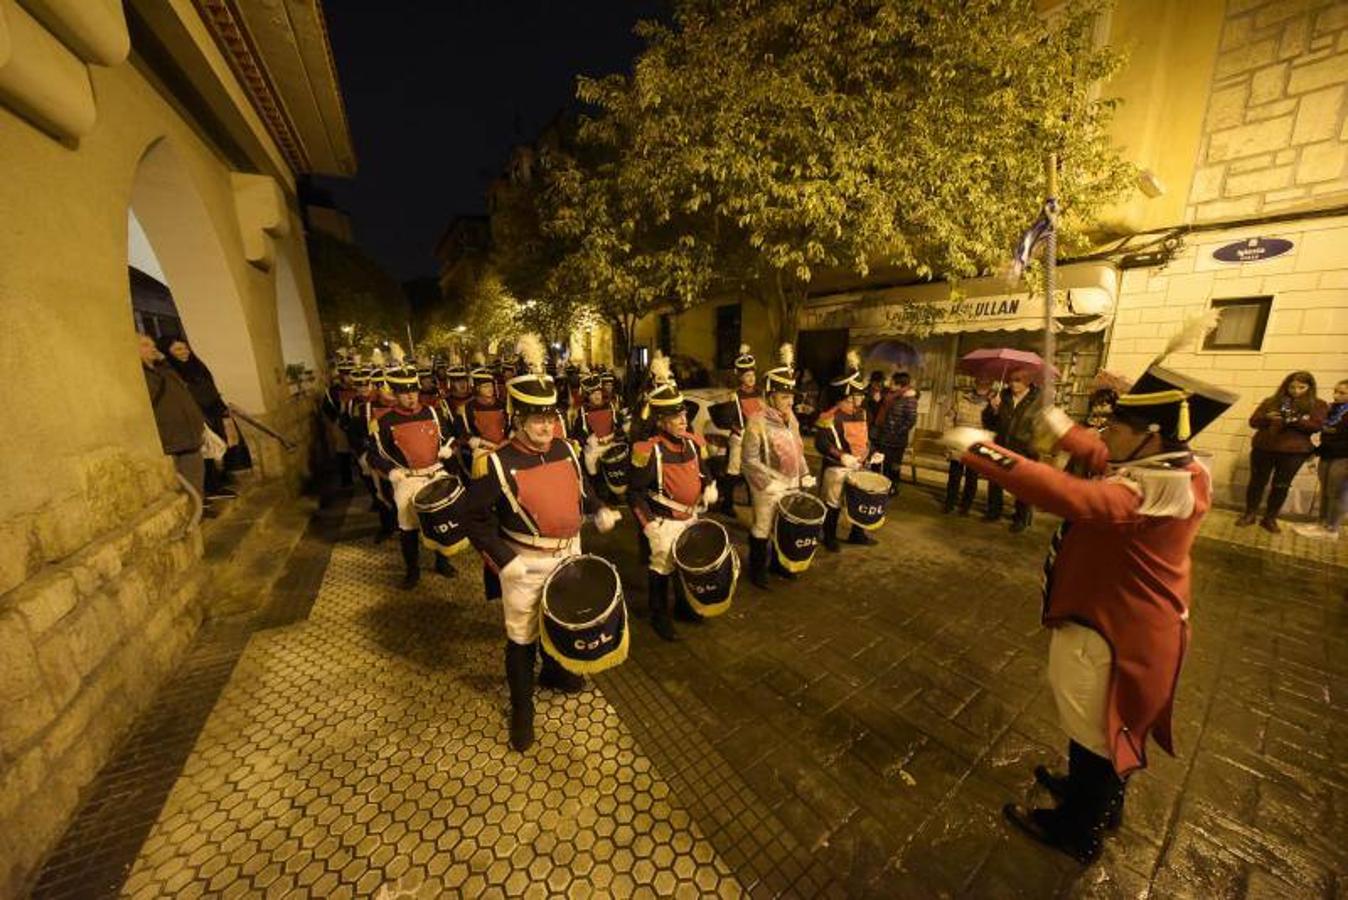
x=662 y=538
x=734 y=453
x=765 y=505
x=1078 y=672
x=831 y=486
x=404 y=490
x=522 y=590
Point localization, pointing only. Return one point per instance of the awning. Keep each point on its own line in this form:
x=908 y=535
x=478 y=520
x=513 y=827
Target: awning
x=1084 y=302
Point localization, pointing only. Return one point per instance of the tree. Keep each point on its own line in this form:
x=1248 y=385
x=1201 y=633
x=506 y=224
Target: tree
x=761 y=141
x=351 y=289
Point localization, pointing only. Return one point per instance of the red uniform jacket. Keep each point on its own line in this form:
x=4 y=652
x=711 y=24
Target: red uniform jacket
x=668 y=476
x=406 y=439
x=1120 y=572
x=836 y=433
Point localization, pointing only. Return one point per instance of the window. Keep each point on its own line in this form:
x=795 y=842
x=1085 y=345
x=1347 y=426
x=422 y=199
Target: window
x=1242 y=324
x=666 y=339
x=727 y=335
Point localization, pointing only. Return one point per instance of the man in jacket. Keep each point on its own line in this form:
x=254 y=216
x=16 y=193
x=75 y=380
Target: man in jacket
x=177 y=416
x=1016 y=412
x=894 y=421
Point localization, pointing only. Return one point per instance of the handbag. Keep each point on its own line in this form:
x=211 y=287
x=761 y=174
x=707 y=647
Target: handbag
x=213 y=446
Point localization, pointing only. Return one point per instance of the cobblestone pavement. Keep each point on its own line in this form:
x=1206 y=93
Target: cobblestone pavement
x=853 y=734
x=362 y=753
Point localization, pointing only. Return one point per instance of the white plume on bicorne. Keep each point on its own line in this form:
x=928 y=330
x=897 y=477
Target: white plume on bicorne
x=744 y=349
x=853 y=361
x=659 y=367
x=397 y=352
x=1194 y=328
x=787 y=355
x=530 y=348
x=377 y=357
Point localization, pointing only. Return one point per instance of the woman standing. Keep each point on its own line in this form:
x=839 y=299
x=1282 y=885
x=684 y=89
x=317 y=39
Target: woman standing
x=1283 y=427
x=1333 y=468
x=201 y=383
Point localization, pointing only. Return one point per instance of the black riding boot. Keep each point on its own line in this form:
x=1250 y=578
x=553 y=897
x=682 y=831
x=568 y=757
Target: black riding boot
x=1094 y=795
x=758 y=562
x=858 y=535
x=388 y=523
x=726 y=490
x=519 y=663
x=344 y=469
x=1059 y=786
x=410 y=544
x=552 y=675
x=443 y=566
x=831 y=529
x=657 y=598
x=683 y=610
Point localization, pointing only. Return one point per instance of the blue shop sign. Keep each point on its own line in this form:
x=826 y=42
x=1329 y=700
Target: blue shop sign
x=1252 y=250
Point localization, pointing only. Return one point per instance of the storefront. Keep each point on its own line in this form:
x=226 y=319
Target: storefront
x=924 y=330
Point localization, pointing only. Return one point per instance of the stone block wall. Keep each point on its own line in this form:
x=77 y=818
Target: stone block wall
x=1276 y=132
x=97 y=604
x=1307 y=329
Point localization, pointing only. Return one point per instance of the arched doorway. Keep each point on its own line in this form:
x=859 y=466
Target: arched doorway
x=173 y=231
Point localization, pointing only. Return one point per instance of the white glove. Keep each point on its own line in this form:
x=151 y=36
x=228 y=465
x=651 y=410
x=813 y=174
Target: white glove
x=475 y=442
x=651 y=529
x=710 y=495
x=606 y=518
x=446 y=452
x=397 y=475
x=850 y=461
x=807 y=481
x=877 y=459
x=960 y=438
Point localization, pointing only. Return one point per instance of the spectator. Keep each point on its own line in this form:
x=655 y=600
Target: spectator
x=893 y=422
x=969 y=408
x=1283 y=427
x=178 y=353
x=1016 y=410
x=176 y=414
x=1100 y=407
x=875 y=395
x=1332 y=468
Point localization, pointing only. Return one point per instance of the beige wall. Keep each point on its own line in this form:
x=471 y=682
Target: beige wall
x=1308 y=328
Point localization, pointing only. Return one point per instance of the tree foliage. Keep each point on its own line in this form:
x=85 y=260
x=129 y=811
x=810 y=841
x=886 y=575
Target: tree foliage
x=352 y=289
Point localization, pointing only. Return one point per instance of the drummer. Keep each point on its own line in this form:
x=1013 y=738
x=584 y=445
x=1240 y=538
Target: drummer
x=407 y=444
x=524 y=516
x=841 y=435
x=669 y=479
x=459 y=390
x=481 y=424
x=595 y=424
x=750 y=401
x=773 y=463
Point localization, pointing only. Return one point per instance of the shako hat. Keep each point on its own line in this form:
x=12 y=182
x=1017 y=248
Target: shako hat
x=400 y=377
x=360 y=374
x=591 y=382
x=1177 y=406
x=745 y=362
x=457 y=372
x=850 y=381
x=783 y=378
x=534 y=390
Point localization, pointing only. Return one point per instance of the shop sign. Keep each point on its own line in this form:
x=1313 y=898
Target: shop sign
x=1255 y=249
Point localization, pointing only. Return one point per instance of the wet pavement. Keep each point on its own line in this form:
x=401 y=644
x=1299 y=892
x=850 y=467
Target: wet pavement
x=852 y=734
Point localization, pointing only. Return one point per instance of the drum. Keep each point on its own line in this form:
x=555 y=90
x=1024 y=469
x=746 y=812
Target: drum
x=440 y=512
x=613 y=463
x=865 y=497
x=796 y=529
x=707 y=565
x=583 y=619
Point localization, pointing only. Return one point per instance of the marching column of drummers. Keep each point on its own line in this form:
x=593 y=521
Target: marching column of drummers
x=512 y=461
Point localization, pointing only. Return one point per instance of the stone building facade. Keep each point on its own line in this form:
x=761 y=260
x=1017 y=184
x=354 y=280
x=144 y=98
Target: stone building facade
x=193 y=119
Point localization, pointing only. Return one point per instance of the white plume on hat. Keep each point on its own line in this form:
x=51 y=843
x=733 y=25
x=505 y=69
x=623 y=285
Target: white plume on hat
x=530 y=348
x=744 y=349
x=377 y=357
x=659 y=367
x=787 y=355
x=479 y=358
x=854 y=360
x=397 y=352
x=1194 y=328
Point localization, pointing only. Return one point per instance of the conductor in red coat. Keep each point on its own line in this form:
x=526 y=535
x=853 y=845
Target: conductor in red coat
x=1116 y=588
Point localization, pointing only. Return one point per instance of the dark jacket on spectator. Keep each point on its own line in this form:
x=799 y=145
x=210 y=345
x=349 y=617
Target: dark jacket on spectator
x=1292 y=433
x=895 y=418
x=1015 y=422
x=177 y=414
x=1334 y=434
x=199 y=381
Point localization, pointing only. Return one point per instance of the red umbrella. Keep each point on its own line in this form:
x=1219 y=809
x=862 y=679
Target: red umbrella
x=994 y=364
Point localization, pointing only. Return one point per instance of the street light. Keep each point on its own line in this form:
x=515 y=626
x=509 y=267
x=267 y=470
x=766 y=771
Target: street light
x=460 y=328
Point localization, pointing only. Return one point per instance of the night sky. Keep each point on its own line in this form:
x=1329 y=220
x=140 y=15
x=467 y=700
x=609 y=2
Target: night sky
x=439 y=91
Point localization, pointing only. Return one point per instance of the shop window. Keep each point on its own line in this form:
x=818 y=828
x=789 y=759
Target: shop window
x=1241 y=324
x=727 y=335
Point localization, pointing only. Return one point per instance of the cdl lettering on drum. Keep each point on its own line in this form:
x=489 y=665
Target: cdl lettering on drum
x=866 y=497
x=440 y=507
x=708 y=566
x=582 y=616
x=613 y=464
x=797 y=529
